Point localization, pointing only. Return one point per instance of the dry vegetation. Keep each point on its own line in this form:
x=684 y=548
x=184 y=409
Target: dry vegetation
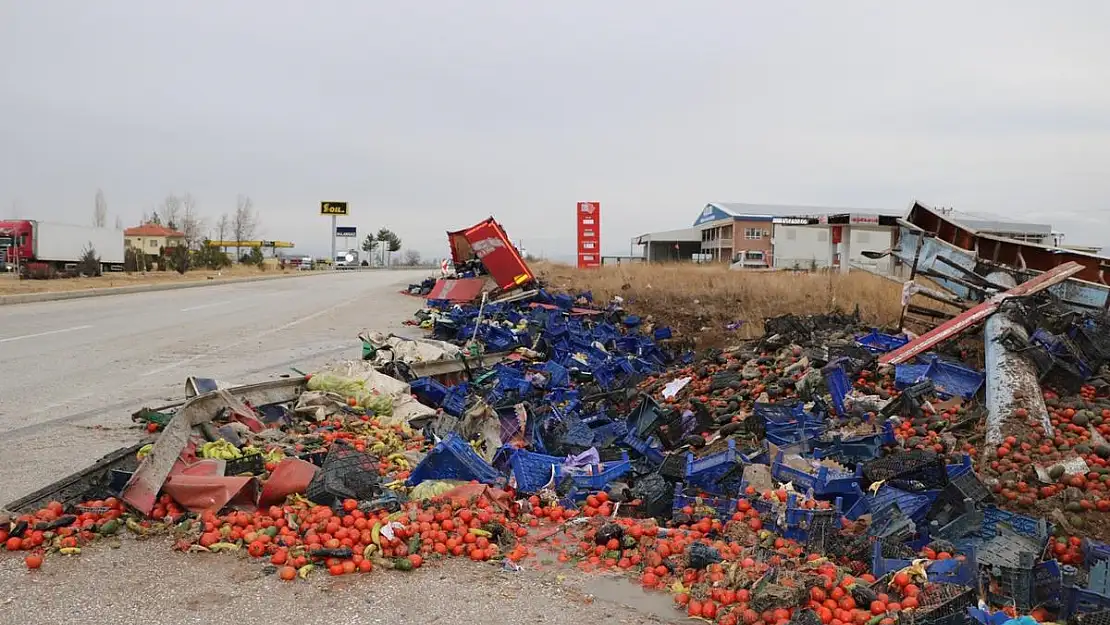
x=12 y=285
x=707 y=298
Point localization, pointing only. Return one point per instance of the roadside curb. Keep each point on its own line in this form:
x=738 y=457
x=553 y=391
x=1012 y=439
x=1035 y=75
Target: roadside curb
x=30 y=298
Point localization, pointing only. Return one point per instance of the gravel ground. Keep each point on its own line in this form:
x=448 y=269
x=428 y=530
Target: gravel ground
x=146 y=582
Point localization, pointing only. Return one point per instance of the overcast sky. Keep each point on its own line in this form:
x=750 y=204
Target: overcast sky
x=429 y=116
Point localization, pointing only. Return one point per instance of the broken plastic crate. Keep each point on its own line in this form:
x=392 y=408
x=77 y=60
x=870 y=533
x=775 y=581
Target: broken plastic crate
x=838 y=384
x=799 y=519
x=609 y=433
x=598 y=477
x=913 y=505
x=949 y=379
x=649 y=448
x=787 y=414
x=878 y=343
x=453 y=459
x=706 y=472
x=994 y=517
x=703 y=505
x=854 y=449
x=953 y=571
x=824 y=482
x=1094 y=598
x=454 y=403
x=942 y=604
x=1060 y=346
x=646 y=417
x=533 y=471
x=429 y=391
x=1094 y=551
x=917 y=465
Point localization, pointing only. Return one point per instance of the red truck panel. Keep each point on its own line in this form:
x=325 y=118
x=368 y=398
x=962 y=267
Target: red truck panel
x=20 y=230
x=488 y=242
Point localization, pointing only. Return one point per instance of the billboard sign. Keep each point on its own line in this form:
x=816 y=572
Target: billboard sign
x=588 y=217
x=346 y=231
x=334 y=209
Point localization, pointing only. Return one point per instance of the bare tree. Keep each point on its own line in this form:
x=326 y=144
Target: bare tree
x=100 y=211
x=412 y=258
x=171 y=211
x=223 y=227
x=119 y=222
x=243 y=223
x=192 y=224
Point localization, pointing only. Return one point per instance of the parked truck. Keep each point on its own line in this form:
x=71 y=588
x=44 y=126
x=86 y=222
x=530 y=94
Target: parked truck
x=59 y=245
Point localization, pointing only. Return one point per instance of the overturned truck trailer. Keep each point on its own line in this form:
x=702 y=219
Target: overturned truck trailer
x=488 y=243
x=989 y=269
x=960 y=259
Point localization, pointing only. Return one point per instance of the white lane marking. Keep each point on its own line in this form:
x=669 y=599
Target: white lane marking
x=228 y=346
x=203 y=306
x=38 y=334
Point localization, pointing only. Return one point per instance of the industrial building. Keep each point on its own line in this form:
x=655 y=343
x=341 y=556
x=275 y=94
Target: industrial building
x=761 y=236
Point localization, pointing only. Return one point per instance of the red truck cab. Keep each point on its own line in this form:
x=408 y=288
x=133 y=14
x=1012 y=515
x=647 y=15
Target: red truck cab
x=21 y=249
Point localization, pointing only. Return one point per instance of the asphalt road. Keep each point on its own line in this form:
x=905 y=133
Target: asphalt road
x=72 y=372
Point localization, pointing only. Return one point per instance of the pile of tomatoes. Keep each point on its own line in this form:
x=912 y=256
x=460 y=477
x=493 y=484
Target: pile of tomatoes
x=50 y=529
x=299 y=535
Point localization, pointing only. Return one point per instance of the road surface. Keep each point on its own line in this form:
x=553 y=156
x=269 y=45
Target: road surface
x=72 y=372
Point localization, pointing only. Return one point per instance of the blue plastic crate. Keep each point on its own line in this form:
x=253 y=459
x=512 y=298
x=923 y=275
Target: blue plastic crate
x=719 y=507
x=649 y=448
x=455 y=401
x=913 y=505
x=953 y=380
x=1081 y=601
x=823 y=483
x=453 y=459
x=796 y=521
x=953 y=571
x=705 y=472
x=661 y=334
x=878 y=343
x=962 y=467
x=595 y=477
x=797 y=514
x=609 y=433
x=533 y=471
x=1021 y=524
x=855 y=449
x=557 y=375
x=604 y=377
x=855 y=505
x=429 y=391
x=785 y=414
x=838 y=384
x=795 y=441
x=908 y=374
x=1094 y=551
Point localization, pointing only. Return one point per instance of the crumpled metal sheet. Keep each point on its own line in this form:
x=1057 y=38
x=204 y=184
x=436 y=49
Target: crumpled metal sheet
x=291 y=476
x=198 y=493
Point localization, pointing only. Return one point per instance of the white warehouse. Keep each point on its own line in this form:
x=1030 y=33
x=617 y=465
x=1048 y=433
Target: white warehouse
x=809 y=242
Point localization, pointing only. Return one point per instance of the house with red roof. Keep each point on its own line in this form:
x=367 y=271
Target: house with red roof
x=151 y=238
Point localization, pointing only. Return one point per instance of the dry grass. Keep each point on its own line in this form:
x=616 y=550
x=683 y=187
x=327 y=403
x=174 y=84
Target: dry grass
x=703 y=299
x=11 y=285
